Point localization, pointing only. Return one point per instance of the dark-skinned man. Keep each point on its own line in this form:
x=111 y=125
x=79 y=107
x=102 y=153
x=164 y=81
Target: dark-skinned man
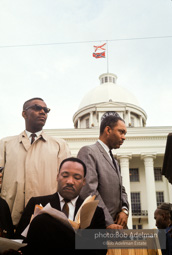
x=30 y=161
x=48 y=235
x=103 y=173
x=163 y=218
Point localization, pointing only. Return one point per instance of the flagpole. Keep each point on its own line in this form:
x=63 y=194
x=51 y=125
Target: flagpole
x=107 y=58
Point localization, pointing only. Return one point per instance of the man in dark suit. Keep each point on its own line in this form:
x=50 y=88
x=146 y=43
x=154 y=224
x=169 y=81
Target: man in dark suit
x=103 y=173
x=45 y=232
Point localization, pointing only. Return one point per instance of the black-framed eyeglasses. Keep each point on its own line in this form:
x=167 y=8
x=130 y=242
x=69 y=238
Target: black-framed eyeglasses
x=38 y=108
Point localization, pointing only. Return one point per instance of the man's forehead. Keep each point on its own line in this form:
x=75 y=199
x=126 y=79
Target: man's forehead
x=70 y=166
x=36 y=101
x=158 y=212
x=121 y=125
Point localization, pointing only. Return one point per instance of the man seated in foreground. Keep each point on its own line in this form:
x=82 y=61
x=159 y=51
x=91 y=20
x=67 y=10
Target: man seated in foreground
x=163 y=218
x=47 y=234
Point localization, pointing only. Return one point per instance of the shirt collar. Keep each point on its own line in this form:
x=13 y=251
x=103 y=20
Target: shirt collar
x=73 y=201
x=104 y=146
x=29 y=133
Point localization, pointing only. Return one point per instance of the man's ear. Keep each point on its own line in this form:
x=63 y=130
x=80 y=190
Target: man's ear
x=57 y=177
x=24 y=114
x=107 y=130
x=84 y=181
x=163 y=216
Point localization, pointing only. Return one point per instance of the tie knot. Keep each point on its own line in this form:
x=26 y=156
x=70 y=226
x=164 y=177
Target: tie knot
x=33 y=135
x=66 y=200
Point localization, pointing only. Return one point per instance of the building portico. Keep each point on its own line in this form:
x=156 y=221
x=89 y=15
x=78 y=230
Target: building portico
x=140 y=157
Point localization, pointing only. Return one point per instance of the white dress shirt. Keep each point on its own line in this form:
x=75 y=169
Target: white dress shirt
x=71 y=204
x=29 y=135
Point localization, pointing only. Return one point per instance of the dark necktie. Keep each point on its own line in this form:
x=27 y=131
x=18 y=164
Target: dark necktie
x=113 y=160
x=65 y=208
x=33 y=137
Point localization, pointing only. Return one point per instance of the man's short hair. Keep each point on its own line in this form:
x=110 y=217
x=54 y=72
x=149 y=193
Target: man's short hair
x=109 y=119
x=167 y=207
x=73 y=159
x=34 y=98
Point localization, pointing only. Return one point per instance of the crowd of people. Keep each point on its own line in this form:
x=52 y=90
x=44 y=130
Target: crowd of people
x=38 y=169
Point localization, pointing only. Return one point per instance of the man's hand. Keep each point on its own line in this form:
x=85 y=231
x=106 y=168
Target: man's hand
x=121 y=219
x=114 y=226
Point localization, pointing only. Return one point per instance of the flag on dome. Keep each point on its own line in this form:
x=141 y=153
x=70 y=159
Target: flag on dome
x=99 y=55
x=99 y=47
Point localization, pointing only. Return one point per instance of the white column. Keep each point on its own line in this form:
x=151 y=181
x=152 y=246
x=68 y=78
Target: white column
x=91 y=119
x=99 y=118
x=141 y=123
x=79 y=123
x=124 y=164
x=170 y=192
x=129 y=118
x=150 y=188
x=126 y=118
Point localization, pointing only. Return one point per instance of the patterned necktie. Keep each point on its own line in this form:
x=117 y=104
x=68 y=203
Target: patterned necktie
x=65 y=208
x=113 y=160
x=33 y=137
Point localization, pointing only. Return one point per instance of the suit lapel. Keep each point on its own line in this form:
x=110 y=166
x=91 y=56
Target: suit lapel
x=24 y=140
x=55 y=201
x=105 y=155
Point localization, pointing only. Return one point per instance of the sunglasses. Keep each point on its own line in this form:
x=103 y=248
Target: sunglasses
x=38 y=108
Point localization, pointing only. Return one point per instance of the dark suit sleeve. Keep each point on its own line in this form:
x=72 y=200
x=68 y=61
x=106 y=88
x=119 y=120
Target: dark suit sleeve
x=124 y=198
x=25 y=218
x=97 y=224
x=98 y=220
x=5 y=219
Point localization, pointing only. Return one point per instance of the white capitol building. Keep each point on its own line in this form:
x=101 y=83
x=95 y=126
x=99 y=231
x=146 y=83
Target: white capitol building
x=141 y=155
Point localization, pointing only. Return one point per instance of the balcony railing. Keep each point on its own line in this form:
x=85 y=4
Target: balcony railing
x=140 y=213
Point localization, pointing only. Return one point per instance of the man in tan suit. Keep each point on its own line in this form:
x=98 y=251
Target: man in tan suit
x=103 y=174
x=30 y=161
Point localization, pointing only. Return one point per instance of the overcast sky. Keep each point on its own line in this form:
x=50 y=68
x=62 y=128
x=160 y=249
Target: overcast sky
x=46 y=51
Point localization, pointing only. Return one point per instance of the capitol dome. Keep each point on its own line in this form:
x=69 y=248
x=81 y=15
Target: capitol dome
x=108 y=91
x=109 y=96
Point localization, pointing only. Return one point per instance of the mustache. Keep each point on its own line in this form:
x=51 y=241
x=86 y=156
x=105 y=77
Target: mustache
x=68 y=186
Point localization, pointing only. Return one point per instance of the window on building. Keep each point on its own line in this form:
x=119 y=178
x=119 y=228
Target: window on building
x=135 y=203
x=134 y=175
x=106 y=78
x=157 y=174
x=137 y=226
x=87 y=123
x=110 y=79
x=159 y=197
